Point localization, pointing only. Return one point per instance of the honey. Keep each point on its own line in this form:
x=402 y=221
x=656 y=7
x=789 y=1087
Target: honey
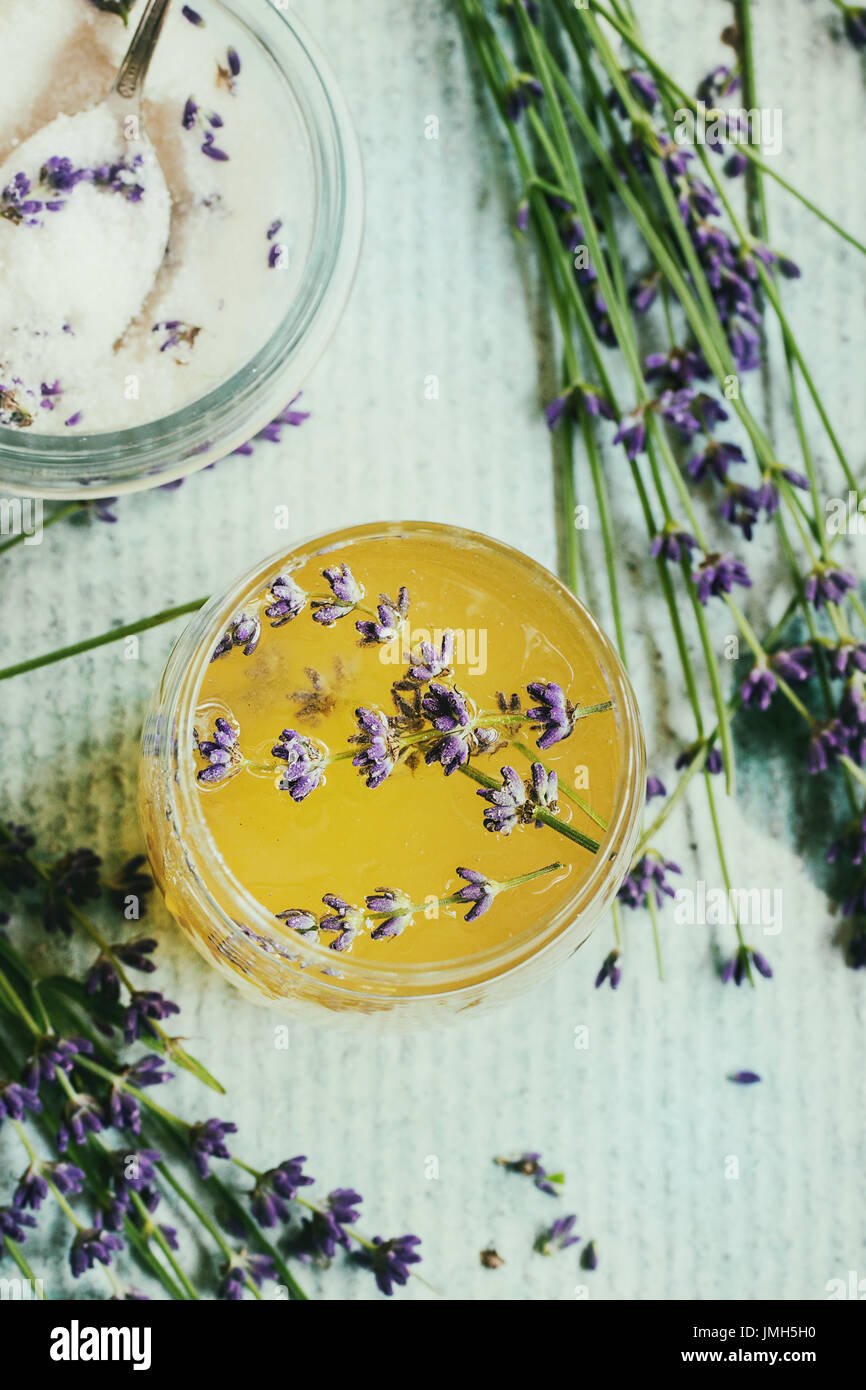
x=399 y=729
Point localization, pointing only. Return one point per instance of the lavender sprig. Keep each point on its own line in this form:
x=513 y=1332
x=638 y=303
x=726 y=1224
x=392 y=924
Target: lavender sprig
x=389 y=911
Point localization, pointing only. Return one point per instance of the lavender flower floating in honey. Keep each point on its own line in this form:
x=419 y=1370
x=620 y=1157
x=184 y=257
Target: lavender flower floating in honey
x=389 y=911
x=288 y=601
x=380 y=746
x=389 y=620
x=244 y=633
x=304 y=764
x=221 y=752
x=347 y=594
x=518 y=802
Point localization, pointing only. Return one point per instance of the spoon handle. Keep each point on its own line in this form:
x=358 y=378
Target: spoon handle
x=133 y=70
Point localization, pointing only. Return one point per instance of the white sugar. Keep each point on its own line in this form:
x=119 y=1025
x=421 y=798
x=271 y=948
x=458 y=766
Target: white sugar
x=138 y=305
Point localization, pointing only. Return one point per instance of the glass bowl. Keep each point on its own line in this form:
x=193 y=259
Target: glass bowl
x=107 y=463
x=234 y=932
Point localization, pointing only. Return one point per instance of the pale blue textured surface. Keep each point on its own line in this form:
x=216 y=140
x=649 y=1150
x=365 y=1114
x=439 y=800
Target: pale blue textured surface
x=643 y=1121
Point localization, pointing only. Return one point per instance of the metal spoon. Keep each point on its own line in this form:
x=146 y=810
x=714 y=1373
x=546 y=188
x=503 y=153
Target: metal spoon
x=125 y=95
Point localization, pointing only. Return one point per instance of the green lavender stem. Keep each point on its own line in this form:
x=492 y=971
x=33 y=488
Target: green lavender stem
x=627 y=32
x=115 y=634
x=49 y=521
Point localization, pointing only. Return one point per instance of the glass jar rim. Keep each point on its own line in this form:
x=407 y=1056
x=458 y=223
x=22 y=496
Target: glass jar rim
x=179 y=693
x=111 y=462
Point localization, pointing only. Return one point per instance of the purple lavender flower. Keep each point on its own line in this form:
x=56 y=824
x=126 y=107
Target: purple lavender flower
x=679 y=408
x=242 y=1267
x=74 y=879
x=655 y=787
x=50 y=1055
x=737 y=968
x=344 y=919
x=16 y=206
x=449 y=713
x=851 y=724
x=579 y=396
x=643 y=86
x=16 y=870
x=135 y=1171
x=379 y=746
x=32 y=1189
x=721 y=82
x=529 y=1166
x=716 y=458
x=243 y=632
x=712 y=763
x=397 y=905
x=16 y=1099
x=81 y=1116
x=289 y=601
x=347 y=592
x=206 y=1140
x=122 y=1111
x=744 y=1078
x=759 y=687
x=610 y=972
x=648 y=875
x=522 y=89
x=275 y=1188
x=92 y=1246
x=222 y=752
x=826 y=584
x=145 y=1008
x=272 y=432
x=61 y=175
x=147 y=1071
x=479 y=890
x=193 y=16
x=516 y=803
x=741 y=506
x=323 y=1232
x=299 y=920
x=305 y=764
x=103 y=979
x=632 y=435
x=554 y=713
x=846 y=658
x=390 y=1260
x=718 y=574
x=15 y=1223
x=430 y=663
x=673 y=544
x=678 y=368
x=557 y=1237
x=391 y=617
x=644 y=294
x=211 y=149
x=825 y=745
